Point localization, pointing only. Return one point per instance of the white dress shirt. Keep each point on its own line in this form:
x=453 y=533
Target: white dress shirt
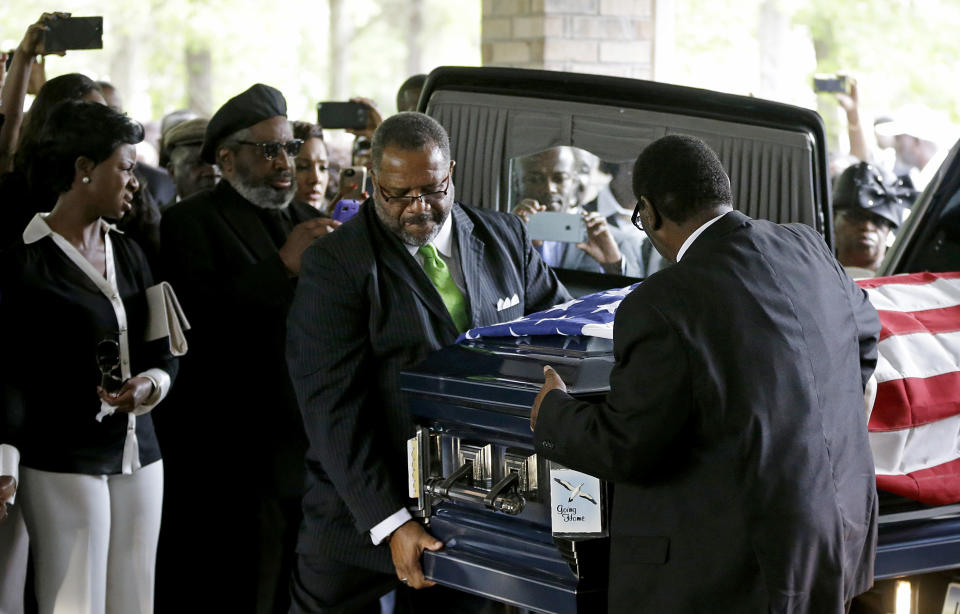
x=696 y=233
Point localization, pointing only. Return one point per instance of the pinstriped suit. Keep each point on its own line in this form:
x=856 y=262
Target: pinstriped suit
x=363 y=310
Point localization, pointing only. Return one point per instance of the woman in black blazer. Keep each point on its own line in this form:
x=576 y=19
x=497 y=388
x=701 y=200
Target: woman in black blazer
x=73 y=315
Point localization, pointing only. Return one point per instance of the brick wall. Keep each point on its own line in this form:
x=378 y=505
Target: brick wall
x=607 y=37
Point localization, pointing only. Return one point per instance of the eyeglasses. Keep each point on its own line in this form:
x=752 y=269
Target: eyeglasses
x=430 y=198
x=108 y=361
x=635 y=218
x=272 y=149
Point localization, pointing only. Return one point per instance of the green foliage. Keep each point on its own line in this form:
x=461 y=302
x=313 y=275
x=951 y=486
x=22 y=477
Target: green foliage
x=900 y=51
x=283 y=43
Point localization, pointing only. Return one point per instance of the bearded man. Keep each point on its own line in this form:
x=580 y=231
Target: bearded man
x=406 y=275
x=235 y=439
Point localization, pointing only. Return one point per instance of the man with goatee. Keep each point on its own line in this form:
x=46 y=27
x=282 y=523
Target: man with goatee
x=235 y=439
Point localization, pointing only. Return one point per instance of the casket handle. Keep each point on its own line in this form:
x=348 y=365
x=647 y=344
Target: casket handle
x=443 y=488
x=509 y=502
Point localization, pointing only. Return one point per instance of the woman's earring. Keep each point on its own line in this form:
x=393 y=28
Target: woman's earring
x=85 y=180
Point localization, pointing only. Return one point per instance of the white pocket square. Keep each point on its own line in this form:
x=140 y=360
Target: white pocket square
x=507 y=303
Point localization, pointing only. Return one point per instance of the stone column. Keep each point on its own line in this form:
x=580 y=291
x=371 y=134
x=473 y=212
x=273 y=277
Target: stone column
x=341 y=34
x=604 y=37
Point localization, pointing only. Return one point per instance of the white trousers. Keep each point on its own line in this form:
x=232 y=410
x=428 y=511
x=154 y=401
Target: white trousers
x=94 y=539
x=13 y=560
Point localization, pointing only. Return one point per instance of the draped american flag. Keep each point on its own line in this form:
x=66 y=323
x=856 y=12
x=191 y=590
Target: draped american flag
x=915 y=419
x=914 y=395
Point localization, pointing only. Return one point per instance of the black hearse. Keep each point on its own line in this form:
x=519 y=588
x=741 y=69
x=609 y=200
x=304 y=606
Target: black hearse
x=475 y=476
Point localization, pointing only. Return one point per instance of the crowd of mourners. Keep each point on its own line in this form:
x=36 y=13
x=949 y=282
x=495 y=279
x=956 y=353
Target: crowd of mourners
x=83 y=193
x=89 y=220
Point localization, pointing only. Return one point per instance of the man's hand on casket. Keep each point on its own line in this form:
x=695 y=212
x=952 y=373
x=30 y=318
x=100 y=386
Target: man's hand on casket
x=551 y=381
x=407 y=543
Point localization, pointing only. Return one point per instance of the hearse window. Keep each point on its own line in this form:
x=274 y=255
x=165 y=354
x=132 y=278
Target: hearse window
x=559 y=191
x=941 y=251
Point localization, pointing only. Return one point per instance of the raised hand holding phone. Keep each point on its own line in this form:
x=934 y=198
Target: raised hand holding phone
x=65 y=33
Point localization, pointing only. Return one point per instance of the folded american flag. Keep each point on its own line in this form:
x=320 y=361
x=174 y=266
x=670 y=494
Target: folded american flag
x=590 y=315
x=915 y=393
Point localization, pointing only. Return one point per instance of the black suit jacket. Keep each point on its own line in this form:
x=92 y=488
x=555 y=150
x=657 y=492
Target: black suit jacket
x=236 y=395
x=364 y=310
x=734 y=429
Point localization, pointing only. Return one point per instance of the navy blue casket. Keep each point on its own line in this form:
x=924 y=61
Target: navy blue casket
x=517 y=528
x=525 y=531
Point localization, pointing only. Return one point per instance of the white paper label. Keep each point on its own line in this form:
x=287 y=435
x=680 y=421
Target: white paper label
x=574 y=501
x=413 y=468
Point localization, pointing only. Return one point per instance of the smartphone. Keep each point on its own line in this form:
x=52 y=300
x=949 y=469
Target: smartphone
x=829 y=83
x=345 y=209
x=553 y=226
x=73 y=33
x=353 y=175
x=347 y=115
x=10 y=58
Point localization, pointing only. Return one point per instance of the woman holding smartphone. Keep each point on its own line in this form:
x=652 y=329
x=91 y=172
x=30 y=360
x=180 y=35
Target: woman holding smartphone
x=312 y=173
x=78 y=377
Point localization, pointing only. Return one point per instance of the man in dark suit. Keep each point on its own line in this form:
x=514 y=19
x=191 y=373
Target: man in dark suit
x=734 y=429
x=233 y=255
x=401 y=279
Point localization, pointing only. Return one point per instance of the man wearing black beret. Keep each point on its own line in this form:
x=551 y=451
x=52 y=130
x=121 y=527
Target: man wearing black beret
x=235 y=444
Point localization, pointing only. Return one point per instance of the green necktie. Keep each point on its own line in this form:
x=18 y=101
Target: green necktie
x=438 y=272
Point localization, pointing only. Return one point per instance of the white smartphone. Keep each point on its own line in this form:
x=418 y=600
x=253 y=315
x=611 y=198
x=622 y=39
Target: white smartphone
x=553 y=226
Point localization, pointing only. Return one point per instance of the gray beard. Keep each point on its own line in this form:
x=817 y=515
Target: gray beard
x=409 y=239
x=264 y=196
x=406 y=237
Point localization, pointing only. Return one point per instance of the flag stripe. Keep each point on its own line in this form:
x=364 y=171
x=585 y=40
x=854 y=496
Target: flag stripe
x=911 y=402
x=905 y=280
x=943 y=320
x=604 y=331
x=921 y=447
x=918 y=355
x=934 y=486
x=897 y=296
